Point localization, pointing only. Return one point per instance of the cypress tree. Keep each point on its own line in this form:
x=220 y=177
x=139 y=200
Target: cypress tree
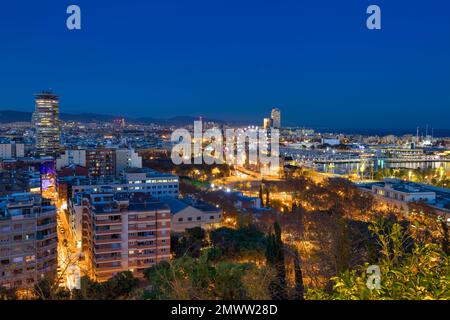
x=342 y=254
x=299 y=287
x=445 y=241
x=267 y=196
x=261 y=195
x=275 y=257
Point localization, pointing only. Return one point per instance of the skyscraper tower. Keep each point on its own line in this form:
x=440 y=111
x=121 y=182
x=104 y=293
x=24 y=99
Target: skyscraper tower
x=267 y=123
x=46 y=122
x=276 y=118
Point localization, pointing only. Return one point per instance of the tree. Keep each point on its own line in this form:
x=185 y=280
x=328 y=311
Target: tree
x=7 y=294
x=48 y=289
x=119 y=286
x=422 y=273
x=299 y=287
x=261 y=197
x=445 y=240
x=342 y=241
x=238 y=243
x=189 y=243
x=189 y=278
x=275 y=258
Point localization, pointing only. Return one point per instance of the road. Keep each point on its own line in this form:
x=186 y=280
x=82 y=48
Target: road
x=68 y=259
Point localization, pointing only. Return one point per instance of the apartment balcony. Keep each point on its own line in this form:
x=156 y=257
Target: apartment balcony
x=142 y=256
x=14 y=277
x=47 y=213
x=47 y=242
x=108 y=213
x=6 y=243
x=106 y=241
x=142 y=229
x=49 y=268
x=141 y=265
x=109 y=249
x=108 y=267
x=107 y=222
x=142 y=246
x=142 y=238
x=49 y=257
x=46 y=226
x=106 y=232
x=46 y=236
x=146 y=219
x=46 y=248
x=104 y=275
x=99 y=260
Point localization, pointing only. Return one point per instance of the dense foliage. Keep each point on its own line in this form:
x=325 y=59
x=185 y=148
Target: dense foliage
x=190 y=278
x=422 y=273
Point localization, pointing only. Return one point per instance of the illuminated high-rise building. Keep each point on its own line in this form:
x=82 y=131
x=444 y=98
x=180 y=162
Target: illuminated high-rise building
x=119 y=123
x=46 y=122
x=267 y=123
x=276 y=118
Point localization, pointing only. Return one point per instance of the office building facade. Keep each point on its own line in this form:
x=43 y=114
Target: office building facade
x=46 y=122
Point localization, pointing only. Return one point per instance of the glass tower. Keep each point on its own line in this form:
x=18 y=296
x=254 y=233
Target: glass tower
x=276 y=118
x=46 y=121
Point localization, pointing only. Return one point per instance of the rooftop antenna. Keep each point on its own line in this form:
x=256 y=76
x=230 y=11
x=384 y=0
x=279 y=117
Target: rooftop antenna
x=426 y=133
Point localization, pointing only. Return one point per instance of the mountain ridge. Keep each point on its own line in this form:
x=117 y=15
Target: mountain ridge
x=9 y=116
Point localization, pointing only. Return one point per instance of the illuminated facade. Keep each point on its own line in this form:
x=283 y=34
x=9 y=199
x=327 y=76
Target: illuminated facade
x=46 y=122
x=276 y=118
x=48 y=180
x=267 y=123
x=153 y=183
x=28 y=240
x=100 y=162
x=120 y=231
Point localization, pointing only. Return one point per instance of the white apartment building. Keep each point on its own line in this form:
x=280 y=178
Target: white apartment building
x=189 y=213
x=121 y=159
x=71 y=157
x=154 y=183
x=127 y=158
x=404 y=193
x=11 y=150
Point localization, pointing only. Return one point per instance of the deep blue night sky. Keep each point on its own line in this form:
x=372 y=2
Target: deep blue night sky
x=233 y=59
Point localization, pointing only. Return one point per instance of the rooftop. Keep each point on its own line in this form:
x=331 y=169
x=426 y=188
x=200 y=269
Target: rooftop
x=46 y=95
x=406 y=187
x=24 y=199
x=112 y=202
x=177 y=205
x=135 y=176
x=442 y=194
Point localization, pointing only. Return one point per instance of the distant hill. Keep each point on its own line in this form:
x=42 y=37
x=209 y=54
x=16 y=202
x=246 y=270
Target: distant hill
x=14 y=116
x=8 y=116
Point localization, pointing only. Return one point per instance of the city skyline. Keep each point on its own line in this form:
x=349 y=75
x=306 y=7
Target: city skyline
x=181 y=152
x=422 y=130
x=316 y=62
